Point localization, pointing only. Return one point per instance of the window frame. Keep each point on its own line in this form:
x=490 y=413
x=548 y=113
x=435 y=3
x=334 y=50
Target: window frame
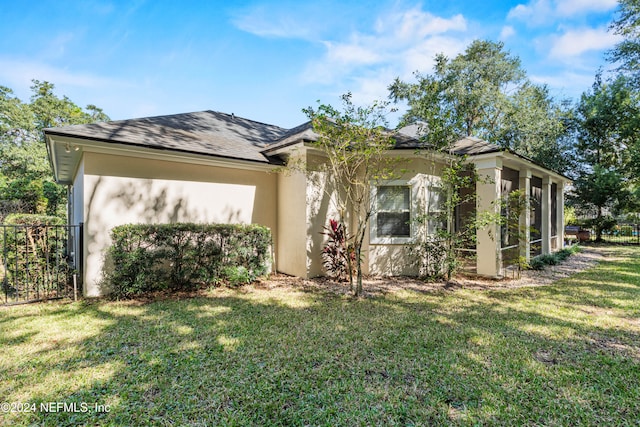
x=374 y=239
x=431 y=189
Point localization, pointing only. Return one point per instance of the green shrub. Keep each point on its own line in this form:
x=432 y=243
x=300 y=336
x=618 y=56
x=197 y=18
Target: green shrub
x=431 y=258
x=237 y=275
x=30 y=192
x=541 y=261
x=148 y=258
x=32 y=219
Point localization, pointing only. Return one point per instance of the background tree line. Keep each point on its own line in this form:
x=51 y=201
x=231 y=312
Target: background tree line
x=26 y=179
x=484 y=92
x=595 y=140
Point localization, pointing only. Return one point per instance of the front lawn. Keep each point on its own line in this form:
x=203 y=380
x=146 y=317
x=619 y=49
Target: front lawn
x=564 y=354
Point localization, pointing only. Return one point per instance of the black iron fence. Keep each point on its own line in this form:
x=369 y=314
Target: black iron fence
x=626 y=233
x=39 y=262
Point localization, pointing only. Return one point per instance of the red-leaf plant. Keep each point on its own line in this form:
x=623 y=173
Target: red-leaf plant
x=338 y=255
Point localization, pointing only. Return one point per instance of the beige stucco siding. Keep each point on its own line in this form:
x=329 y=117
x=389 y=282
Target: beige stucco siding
x=292 y=224
x=396 y=259
x=379 y=259
x=304 y=208
x=120 y=190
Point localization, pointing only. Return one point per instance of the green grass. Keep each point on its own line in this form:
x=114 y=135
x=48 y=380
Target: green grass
x=566 y=354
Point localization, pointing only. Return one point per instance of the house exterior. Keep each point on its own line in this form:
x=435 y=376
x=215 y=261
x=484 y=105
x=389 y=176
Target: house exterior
x=218 y=168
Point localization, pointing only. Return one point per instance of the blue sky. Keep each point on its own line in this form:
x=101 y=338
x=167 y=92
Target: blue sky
x=267 y=60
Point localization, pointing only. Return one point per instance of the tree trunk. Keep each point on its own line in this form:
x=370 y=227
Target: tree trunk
x=358 y=291
x=358 y=251
x=349 y=267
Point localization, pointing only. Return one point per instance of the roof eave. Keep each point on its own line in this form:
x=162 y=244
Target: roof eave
x=510 y=155
x=86 y=145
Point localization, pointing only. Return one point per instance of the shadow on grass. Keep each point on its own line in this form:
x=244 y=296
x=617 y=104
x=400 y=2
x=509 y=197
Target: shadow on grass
x=526 y=356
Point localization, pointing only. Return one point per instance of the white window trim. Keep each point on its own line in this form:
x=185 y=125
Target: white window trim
x=429 y=189
x=413 y=210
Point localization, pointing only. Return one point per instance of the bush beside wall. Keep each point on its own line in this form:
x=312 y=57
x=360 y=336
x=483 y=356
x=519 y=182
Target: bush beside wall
x=541 y=261
x=147 y=258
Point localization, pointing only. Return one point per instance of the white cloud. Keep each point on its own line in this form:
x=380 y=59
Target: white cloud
x=81 y=87
x=580 y=7
x=566 y=84
x=538 y=12
x=535 y=12
x=507 y=32
x=373 y=86
x=420 y=57
x=354 y=53
x=19 y=73
x=400 y=43
x=264 y=21
x=415 y=24
x=576 y=42
x=58 y=44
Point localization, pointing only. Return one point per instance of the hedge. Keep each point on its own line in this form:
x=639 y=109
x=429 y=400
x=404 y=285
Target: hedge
x=32 y=219
x=541 y=261
x=156 y=257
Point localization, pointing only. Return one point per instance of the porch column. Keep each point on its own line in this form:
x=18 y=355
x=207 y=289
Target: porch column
x=488 y=254
x=560 y=214
x=546 y=215
x=525 y=215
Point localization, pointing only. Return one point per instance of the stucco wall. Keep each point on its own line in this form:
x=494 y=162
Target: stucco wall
x=120 y=190
x=378 y=259
x=304 y=208
x=396 y=259
x=292 y=223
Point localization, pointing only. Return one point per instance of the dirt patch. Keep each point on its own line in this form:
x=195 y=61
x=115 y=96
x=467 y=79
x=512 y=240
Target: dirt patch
x=587 y=258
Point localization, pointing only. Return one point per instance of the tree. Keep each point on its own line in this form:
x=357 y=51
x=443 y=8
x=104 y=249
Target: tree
x=26 y=182
x=484 y=92
x=607 y=127
x=627 y=52
x=601 y=189
x=356 y=144
x=536 y=126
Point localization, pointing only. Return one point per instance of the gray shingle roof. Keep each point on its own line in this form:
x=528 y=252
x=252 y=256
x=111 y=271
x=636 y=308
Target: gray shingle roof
x=303 y=132
x=206 y=132
x=225 y=135
x=469 y=145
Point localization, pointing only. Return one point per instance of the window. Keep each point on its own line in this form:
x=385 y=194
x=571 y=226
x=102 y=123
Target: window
x=436 y=211
x=392 y=212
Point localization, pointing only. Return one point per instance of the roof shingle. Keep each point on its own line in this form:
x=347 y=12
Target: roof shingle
x=226 y=135
x=206 y=132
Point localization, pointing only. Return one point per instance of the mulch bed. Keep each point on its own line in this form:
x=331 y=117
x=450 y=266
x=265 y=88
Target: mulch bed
x=587 y=258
